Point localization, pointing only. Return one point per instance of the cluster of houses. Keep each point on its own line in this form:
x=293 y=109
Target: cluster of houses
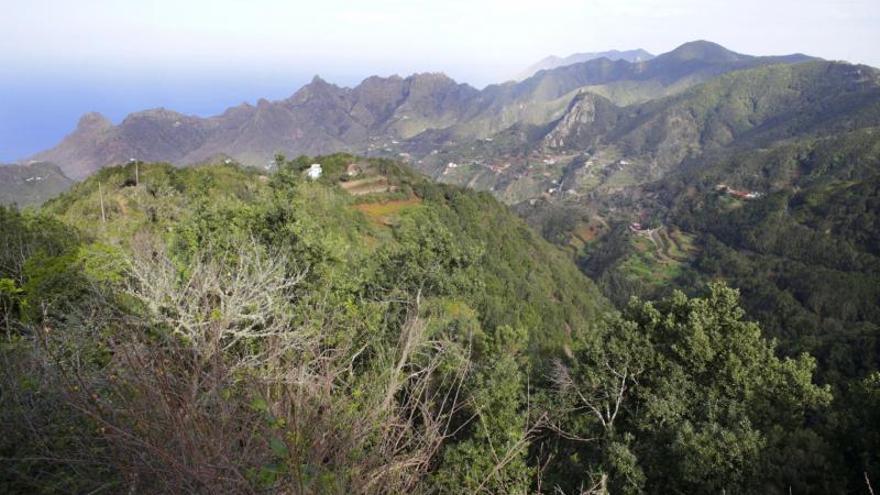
x=449 y=166
x=737 y=193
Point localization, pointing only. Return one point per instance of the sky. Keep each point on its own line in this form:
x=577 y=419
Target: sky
x=62 y=58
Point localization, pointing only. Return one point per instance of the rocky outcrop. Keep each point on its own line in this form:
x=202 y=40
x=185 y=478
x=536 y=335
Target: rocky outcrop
x=586 y=120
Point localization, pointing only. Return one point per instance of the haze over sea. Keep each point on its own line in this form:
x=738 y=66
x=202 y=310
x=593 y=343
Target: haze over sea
x=42 y=112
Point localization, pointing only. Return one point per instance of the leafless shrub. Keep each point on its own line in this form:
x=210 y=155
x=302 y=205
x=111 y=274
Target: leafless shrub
x=213 y=388
x=213 y=307
x=603 y=395
x=599 y=486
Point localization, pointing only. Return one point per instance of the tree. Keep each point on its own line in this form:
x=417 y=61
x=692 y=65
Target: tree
x=685 y=396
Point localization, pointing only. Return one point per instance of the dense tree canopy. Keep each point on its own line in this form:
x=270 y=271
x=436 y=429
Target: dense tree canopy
x=216 y=330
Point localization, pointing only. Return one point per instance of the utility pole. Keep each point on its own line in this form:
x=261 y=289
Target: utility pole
x=101 y=195
x=137 y=175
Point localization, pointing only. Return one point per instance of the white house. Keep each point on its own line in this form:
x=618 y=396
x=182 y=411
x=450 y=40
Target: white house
x=314 y=171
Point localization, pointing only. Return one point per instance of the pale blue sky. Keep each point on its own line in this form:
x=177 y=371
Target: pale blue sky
x=216 y=53
x=482 y=40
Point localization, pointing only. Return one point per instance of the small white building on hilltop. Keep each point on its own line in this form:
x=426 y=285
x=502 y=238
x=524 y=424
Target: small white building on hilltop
x=314 y=171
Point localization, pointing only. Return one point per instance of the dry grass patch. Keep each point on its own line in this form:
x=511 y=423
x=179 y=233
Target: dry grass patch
x=382 y=212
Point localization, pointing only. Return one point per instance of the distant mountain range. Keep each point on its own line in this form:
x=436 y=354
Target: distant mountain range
x=553 y=61
x=417 y=115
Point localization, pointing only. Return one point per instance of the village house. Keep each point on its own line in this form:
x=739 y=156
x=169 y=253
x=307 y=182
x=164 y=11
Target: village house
x=314 y=171
x=736 y=193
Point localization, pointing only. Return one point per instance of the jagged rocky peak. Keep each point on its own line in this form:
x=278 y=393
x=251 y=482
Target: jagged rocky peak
x=586 y=117
x=433 y=77
x=380 y=81
x=93 y=121
x=430 y=81
x=582 y=107
x=318 y=81
x=317 y=88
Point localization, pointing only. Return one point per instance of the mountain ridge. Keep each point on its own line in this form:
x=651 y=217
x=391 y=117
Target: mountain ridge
x=375 y=116
x=552 y=61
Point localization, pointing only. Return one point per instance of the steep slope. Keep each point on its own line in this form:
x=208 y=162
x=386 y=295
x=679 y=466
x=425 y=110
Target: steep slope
x=545 y=96
x=767 y=179
x=510 y=262
x=587 y=118
x=31 y=185
x=627 y=83
x=157 y=134
x=802 y=246
x=596 y=147
x=754 y=107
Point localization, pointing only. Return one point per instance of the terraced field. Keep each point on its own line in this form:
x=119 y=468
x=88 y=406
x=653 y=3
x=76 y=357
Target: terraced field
x=660 y=254
x=384 y=212
x=369 y=185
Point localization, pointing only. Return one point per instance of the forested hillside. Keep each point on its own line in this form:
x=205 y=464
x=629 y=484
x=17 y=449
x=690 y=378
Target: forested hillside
x=217 y=330
x=803 y=252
